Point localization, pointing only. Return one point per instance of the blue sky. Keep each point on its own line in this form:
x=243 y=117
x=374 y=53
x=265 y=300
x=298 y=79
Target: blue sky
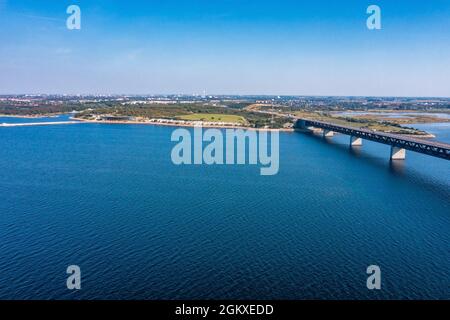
x=226 y=47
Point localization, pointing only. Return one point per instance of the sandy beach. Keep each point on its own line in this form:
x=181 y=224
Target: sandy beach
x=190 y=125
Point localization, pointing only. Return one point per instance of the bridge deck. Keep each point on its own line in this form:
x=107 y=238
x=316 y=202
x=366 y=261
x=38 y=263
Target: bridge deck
x=436 y=149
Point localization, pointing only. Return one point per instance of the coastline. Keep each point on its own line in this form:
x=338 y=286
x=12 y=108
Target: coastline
x=421 y=136
x=187 y=125
x=180 y=124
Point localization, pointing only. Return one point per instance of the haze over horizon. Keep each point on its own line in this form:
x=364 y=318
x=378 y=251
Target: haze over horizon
x=303 y=48
x=85 y=94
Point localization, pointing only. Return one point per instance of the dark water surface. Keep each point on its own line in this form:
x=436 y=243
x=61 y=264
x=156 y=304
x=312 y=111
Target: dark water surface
x=109 y=199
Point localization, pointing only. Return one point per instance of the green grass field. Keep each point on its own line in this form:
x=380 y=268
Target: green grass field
x=211 y=117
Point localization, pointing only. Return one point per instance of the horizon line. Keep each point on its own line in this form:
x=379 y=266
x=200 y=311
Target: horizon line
x=220 y=95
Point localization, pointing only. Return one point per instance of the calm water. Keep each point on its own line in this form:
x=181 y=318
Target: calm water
x=440 y=130
x=63 y=117
x=107 y=198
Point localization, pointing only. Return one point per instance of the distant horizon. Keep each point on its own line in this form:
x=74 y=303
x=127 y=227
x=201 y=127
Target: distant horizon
x=218 y=95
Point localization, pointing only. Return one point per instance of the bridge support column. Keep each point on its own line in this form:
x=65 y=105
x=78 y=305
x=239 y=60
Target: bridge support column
x=398 y=153
x=328 y=133
x=355 y=141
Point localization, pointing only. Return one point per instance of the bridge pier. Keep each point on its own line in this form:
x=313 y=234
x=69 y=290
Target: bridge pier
x=398 y=153
x=328 y=133
x=355 y=141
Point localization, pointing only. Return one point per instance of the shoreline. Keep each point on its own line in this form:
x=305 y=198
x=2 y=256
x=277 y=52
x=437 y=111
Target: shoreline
x=185 y=125
x=420 y=136
x=424 y=136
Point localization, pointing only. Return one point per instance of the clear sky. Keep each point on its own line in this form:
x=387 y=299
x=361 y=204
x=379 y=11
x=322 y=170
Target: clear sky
x=310 y=47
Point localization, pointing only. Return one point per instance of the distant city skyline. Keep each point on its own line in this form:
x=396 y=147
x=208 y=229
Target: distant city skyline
x=212 y=95
x=286 y=48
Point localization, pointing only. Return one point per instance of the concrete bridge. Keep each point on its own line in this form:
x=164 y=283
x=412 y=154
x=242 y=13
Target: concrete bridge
x=399 y=143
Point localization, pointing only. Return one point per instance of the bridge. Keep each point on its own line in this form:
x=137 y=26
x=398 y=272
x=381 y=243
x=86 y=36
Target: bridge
x=399 y=143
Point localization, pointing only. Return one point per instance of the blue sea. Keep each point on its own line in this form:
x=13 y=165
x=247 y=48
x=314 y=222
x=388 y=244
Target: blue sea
x=108 y=199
